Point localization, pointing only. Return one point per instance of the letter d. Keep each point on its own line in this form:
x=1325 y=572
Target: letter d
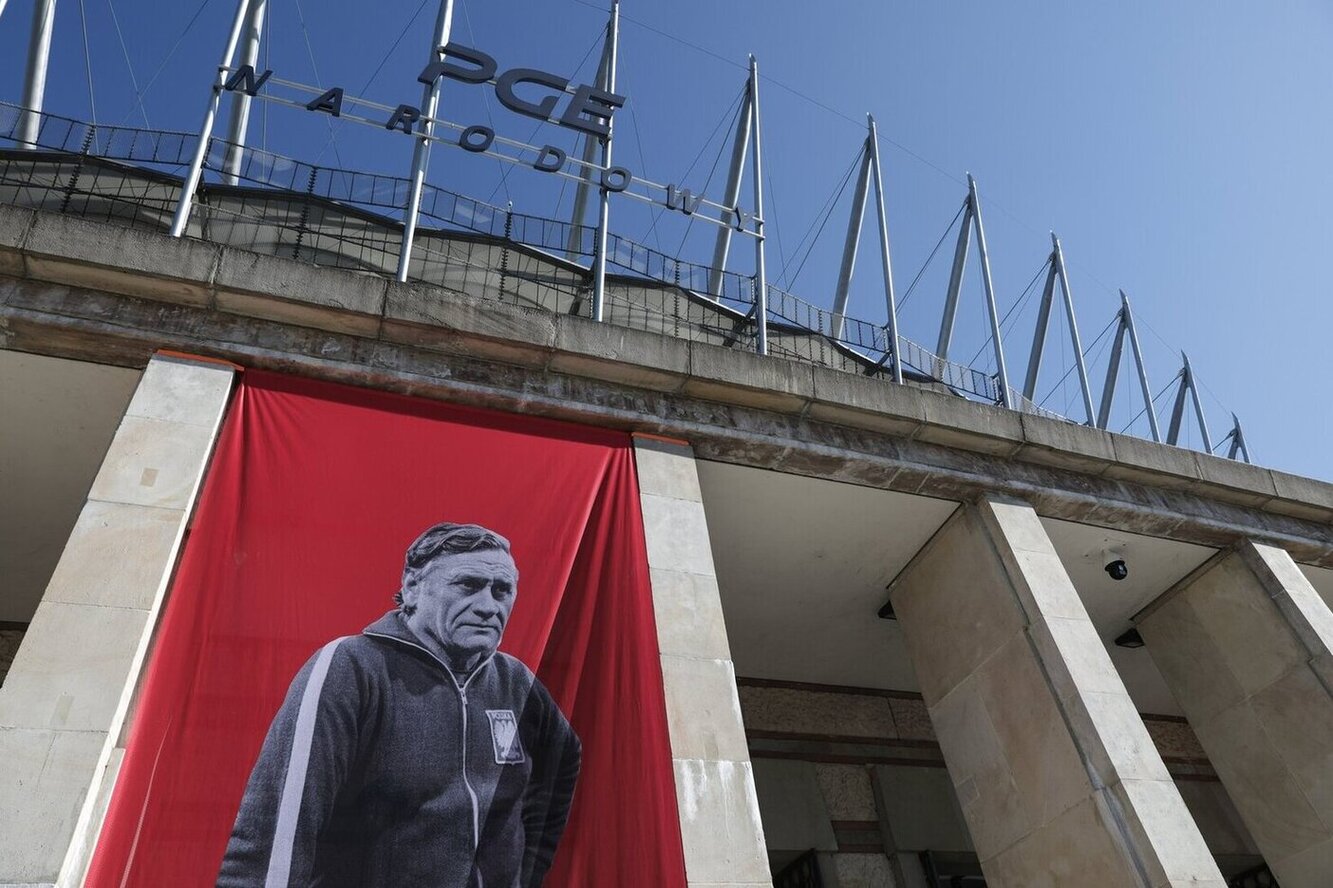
x=549 y=160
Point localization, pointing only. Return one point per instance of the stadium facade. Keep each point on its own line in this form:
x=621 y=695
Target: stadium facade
x=900 y=634
x=991 y=726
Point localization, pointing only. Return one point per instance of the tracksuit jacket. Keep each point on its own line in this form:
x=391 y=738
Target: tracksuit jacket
x=383 y=768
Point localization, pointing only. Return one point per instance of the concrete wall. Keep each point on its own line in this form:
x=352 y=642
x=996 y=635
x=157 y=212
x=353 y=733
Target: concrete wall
x=1246 y=645
x=57 y=418
x=830 y=761
x=715 y=790
x=65 y=701
x=81 y=289
x=1056 y=775
x=84 y=289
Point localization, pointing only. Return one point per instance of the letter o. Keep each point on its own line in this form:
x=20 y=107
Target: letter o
x=616 y=179
x=468 y=139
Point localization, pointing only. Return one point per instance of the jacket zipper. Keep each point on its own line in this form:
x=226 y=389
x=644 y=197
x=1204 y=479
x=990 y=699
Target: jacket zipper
x=462 y=695
x=476 y=808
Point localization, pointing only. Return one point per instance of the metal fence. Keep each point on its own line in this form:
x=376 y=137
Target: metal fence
x=803 y=872
x=353 y=219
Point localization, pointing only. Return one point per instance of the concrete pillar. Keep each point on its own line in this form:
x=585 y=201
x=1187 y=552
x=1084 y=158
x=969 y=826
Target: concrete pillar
x=63 y=706
x=1246 y=646
x=719 y=811
x=1057 y=777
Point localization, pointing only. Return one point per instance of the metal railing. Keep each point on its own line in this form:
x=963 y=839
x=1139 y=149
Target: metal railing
x=940 y=872
x=1257 y=877
x=353 y=219
x=803 y=872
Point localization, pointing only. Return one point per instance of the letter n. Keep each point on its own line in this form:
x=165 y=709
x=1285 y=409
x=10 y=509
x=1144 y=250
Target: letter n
x=244 y=77
x=330 y=102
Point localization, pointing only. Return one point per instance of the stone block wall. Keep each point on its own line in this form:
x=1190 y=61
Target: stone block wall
x=66 y=697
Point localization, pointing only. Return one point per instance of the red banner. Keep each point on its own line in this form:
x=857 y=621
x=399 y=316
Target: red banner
x=296 y=726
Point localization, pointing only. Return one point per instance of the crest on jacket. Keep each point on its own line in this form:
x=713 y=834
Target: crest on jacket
x=504 y=736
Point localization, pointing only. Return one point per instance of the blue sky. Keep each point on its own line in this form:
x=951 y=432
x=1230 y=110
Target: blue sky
x=1180 y=150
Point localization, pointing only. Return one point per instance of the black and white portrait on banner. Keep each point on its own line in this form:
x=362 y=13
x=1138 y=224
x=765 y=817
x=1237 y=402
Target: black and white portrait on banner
x=414 y=753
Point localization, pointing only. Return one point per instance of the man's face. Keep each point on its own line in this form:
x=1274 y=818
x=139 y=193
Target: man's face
x=462 y=603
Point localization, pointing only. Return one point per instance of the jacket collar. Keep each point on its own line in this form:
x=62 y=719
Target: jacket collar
x=393 y=627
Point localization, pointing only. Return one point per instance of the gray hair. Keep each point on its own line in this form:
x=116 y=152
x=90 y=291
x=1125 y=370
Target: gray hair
x=442 y=540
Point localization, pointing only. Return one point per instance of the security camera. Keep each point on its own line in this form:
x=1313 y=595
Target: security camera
x=1113 y=562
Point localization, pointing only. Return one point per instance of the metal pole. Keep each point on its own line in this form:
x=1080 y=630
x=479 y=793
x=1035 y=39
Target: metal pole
x=760 y=272
x=1039 y=334
x=881 y=208
x=34 y=76
x=1198 y=405
x=1112 y=369
x=1237 y=437
x=852 y=242
x=732 y=195
x=1073 y=327
x=955 y=282
x=1001 y=371
x=574 y=246
x=430 y=103
x=604 y=206
x=240 y=99
x=182 y=217
x=1143 y=370
x=1178 y=410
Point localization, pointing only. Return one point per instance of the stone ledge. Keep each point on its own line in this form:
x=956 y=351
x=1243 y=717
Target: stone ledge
x=741 y=377
x=1233 y=481
x=122 y=260
x=48 y=246
x=104 y=327
x=285 y=290
x=1143 y=461
x=860 y=401
x=1066 y=445
x=14 y=227
x=620 y=354
x=957 y=422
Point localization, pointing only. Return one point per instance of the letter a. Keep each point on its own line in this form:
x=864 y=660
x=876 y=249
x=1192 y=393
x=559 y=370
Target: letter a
x=331 y=102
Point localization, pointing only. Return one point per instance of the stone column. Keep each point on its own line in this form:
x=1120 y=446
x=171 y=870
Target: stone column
x=1246 y=646
x=1057 y=777
x=719 y=811
x=63 y=706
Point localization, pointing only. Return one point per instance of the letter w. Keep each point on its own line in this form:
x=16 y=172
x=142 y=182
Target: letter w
x=246 y=75
x=682 y=200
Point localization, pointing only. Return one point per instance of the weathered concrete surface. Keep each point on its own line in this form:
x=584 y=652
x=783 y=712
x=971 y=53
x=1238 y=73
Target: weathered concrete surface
x=732 y=405
x=1056 y=774
x=122 y=260
x=1246 y=646
x=715 y=785
x=64 y=702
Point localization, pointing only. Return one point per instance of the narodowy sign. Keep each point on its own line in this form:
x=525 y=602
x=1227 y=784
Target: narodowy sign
x=582 y=108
